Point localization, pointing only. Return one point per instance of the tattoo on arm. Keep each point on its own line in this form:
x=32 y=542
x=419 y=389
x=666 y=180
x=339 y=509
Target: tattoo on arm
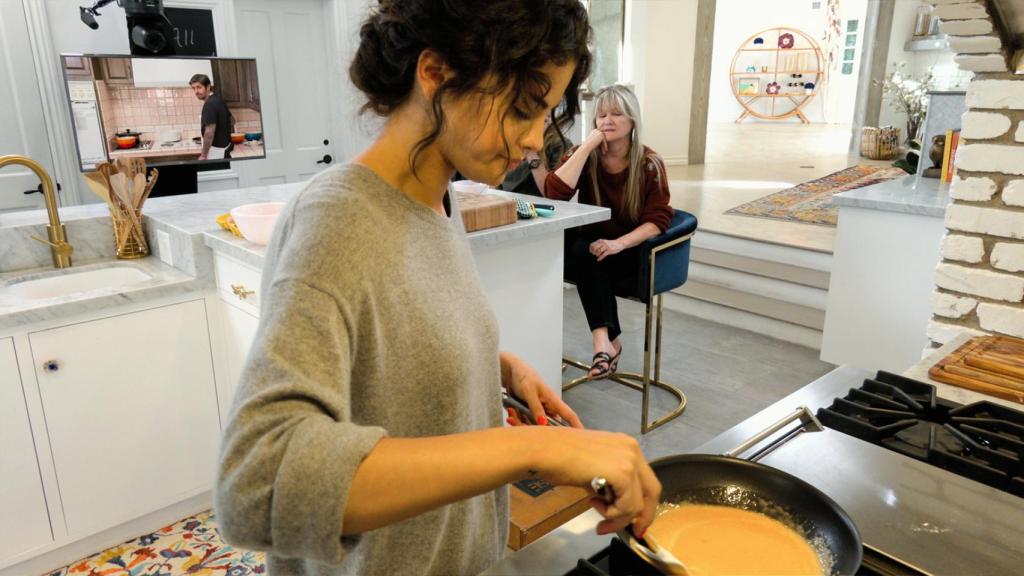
x=208 y=133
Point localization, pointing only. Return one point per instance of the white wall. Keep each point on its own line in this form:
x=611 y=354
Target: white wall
x=658 y=60
x=737 y=20
x=70 y=35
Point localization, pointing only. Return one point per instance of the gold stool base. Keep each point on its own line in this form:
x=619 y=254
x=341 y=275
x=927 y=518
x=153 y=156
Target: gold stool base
x=635 y=381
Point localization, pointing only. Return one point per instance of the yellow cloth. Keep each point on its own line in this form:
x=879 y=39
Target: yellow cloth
x=228 y=223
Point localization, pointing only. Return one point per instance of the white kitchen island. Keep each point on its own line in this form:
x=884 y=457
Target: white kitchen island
x=91 y=369
x=883 y=273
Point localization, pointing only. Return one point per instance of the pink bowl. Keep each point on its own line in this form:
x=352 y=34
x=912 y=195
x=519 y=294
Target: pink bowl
x=256 y=221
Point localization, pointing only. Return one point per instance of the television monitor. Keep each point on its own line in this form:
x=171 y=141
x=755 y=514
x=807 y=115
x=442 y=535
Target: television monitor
x=132 y=106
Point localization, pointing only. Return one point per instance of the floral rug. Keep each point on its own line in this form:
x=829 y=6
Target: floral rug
x=811 y=202
x=191 y=546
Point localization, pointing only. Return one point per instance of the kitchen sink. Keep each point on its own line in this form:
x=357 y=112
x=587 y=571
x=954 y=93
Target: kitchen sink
x=72 y=281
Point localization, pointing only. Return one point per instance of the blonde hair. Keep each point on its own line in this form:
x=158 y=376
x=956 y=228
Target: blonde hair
x=621 y=98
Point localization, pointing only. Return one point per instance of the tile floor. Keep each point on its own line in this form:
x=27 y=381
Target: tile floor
x=747 y=161
x=727 y=374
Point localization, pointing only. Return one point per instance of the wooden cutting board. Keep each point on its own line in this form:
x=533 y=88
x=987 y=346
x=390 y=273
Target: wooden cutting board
x=538 y=508
x=480 y=211
x=989 y=364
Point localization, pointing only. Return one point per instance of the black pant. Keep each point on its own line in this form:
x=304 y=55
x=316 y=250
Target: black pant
x=596 y=281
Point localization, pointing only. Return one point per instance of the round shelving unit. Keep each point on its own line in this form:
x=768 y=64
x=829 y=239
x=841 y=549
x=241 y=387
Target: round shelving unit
x=771 y=70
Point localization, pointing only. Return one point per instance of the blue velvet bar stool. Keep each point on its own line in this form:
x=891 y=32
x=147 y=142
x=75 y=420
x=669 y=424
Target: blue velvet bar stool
x=665 y=265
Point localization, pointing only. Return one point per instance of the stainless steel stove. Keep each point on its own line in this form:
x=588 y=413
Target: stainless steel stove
x=915 y=517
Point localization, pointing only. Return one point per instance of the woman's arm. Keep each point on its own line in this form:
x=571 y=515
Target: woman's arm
x=404 y=477
x=605 y=248
x=569 y=172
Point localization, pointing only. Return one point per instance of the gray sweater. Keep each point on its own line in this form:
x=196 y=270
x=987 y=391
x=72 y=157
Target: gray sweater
x=373 y=322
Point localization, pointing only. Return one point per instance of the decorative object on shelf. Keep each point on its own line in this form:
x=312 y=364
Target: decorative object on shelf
x=908 y=95
x=811 y=202
x=949 y=155
x=752 y=69
x=879 y=143
x=775 y=99
x=758 y=41
x=922 y=25
x=124 y=186
x=935 y=154
x=748 y=86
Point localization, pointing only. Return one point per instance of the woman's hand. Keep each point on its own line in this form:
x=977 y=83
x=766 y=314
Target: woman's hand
x=595 y=140
x=523 y=382
x=575 y=457
x=605 y=248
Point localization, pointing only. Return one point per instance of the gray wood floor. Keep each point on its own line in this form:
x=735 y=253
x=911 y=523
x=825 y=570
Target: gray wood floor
x=726 y=373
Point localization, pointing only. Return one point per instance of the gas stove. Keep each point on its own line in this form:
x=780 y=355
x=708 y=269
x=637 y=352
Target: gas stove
x=916 y=510
x=982 y=441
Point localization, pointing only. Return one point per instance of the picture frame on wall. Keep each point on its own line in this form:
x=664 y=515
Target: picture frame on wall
x=748 y=86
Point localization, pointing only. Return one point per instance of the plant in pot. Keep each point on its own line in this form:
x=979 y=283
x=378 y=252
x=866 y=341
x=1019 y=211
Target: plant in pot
x=909 y=95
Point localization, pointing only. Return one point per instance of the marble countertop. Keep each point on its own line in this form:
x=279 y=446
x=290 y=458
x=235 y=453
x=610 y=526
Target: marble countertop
x=164 y=281
x=567 y=215
x=928 y=198
x=184 y=261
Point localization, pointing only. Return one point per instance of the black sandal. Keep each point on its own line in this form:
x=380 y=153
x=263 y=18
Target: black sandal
x=613 y=365
x=600 y=359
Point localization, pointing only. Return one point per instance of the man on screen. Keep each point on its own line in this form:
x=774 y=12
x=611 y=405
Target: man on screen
x=215 y=120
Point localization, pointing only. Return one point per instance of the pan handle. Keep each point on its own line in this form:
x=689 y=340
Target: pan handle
x=808 y=423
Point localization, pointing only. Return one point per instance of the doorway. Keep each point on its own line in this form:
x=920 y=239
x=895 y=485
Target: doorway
x=21 y=120
x=288 y=41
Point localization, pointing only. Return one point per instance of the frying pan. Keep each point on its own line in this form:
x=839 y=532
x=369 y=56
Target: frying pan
x=730 y=481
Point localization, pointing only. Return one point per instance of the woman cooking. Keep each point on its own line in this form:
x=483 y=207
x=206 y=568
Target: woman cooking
x=366 y=435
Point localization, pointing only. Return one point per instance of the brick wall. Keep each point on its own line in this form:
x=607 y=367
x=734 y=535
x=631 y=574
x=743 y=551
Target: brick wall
x=980 y=281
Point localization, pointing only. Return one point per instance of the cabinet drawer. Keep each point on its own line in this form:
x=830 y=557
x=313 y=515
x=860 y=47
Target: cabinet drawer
x=238 y=283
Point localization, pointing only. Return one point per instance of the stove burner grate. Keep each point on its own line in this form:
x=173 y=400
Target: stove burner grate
x=982 y=441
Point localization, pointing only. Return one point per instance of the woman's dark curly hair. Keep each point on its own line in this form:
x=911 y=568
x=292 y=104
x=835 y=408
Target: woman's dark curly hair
x=509 y=39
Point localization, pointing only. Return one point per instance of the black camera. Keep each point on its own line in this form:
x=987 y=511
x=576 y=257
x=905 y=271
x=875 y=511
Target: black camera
x=148 y=26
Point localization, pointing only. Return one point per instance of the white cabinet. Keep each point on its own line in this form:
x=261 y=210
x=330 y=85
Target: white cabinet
x=25 y=523
x=131 y=412
x=238 y=285
x=239 y=329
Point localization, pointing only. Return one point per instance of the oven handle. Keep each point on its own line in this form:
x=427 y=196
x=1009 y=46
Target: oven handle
x=808 y=423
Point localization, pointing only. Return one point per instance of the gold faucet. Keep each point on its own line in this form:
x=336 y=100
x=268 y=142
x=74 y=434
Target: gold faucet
x=58 y=241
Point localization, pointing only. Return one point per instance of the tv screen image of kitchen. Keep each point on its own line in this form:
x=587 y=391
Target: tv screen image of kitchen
x=156 y=108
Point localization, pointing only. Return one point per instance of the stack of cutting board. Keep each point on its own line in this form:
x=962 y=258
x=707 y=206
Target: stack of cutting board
x=480 y=211
x=989 y=364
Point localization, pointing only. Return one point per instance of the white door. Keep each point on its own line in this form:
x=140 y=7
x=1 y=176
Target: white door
x=26 y=523
x=22 y=128
x=131 y=411
x=287 y=40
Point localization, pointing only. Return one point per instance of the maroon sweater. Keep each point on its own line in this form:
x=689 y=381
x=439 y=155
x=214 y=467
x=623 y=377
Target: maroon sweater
x=612 y=188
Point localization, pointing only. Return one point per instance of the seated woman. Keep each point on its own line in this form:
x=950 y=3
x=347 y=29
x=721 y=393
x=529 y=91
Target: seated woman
x=528 y=177
x=611 y=168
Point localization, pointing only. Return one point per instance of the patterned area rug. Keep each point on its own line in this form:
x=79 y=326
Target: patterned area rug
x=191 y=546
x=811 y=202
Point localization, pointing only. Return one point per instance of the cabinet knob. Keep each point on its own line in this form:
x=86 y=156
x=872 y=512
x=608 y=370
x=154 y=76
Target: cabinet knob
x=51 y=366
x=241 y=292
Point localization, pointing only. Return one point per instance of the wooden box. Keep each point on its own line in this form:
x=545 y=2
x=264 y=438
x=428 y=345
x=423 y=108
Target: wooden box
x=538 y=508
x=480 y=211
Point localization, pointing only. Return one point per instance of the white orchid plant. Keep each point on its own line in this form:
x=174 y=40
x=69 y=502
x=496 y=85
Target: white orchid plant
x=909 y=95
